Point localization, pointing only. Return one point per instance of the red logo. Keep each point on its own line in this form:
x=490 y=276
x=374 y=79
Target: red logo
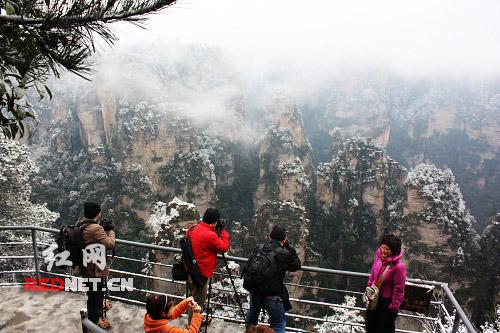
x=46 y=284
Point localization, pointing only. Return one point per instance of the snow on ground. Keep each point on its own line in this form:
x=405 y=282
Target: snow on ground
x=52 y=311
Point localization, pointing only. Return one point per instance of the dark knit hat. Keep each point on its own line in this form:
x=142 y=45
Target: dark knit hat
x=278 y=233
x=211 y=215
x=91 y=209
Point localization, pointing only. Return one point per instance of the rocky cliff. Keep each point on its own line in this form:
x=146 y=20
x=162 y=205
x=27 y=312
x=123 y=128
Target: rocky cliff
x=452 y=124
x=285 y=157
x=170 y=223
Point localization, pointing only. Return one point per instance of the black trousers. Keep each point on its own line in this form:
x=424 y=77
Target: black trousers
x=381 y=320
x=95 y=301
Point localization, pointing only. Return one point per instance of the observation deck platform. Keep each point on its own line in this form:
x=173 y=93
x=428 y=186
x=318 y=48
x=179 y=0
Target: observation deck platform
x=59 y=311
x=314 y=305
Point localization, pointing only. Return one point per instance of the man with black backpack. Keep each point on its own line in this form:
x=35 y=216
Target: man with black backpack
x=93 y=233
x=263 y=278
x=207 y=239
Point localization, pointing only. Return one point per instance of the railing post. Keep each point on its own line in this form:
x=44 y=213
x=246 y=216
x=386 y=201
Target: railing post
x=459 y=313
x=440 y=305
x=35 y=251
x=456 y=323
x=83 y=314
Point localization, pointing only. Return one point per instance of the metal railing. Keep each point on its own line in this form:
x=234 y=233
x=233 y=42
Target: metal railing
x=442 y=302
x=87 y=324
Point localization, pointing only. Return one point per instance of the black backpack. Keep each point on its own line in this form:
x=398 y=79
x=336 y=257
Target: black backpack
x=71 y=239
x=260 y=274
x=188 y=257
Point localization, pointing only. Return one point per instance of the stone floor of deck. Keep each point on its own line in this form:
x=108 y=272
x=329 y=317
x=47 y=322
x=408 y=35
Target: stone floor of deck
x=59 y=311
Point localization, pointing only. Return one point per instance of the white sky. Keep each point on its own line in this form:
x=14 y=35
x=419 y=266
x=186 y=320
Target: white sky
x=409 y=36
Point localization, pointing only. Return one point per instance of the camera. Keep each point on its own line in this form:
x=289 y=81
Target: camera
x=221 y=225
x=107 y=224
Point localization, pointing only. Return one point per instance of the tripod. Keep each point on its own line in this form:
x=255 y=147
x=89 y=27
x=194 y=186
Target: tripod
x=235 y=293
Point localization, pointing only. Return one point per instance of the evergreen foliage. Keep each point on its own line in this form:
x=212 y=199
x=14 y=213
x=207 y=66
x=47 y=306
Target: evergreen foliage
x=486 y=270
x=41 y=37
x=16 y=168
x=337 y=322
x=493 y=324
x=448 y=205
x=16 y=209
x=447 y=212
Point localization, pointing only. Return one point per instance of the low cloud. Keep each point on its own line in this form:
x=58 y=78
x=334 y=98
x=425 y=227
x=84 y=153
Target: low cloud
x=413 y=38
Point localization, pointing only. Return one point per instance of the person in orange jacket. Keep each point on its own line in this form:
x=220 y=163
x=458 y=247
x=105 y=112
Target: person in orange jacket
x=161 y=311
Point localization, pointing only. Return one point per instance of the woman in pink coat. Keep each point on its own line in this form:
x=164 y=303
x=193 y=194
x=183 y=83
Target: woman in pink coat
x=393 y=287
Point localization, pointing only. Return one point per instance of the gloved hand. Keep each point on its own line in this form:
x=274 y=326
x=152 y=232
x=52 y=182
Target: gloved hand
x=288 y=246
x=222 y=224
x=107 y=225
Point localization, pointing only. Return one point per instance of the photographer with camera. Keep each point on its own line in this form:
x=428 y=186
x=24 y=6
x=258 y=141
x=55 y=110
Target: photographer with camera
x=93 y=233
x=207 y=238
x=265 y=282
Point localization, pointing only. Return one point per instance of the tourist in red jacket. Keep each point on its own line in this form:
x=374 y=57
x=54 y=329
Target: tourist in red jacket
x=382 y=318
x=206 y=244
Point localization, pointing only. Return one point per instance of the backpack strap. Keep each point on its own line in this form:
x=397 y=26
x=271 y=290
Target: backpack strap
x=274 y=250
x=190 y=230
x=271 y=261
x=273 y=253
x=84 y=224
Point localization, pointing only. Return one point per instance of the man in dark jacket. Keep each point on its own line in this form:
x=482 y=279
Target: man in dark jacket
x=206 y=244
x=275 y=301
x=93 y=234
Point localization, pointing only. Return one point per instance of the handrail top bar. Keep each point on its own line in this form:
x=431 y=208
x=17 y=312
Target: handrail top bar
x=27 y=227
x=149 y=246
x=239 y=259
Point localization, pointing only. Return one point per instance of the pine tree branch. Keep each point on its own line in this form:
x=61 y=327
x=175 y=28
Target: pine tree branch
x=131 y=15
x=39 y=37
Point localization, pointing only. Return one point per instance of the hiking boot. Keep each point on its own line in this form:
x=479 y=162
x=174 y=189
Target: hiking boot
x=104 y=323
x=209 y=320
x=108 y=305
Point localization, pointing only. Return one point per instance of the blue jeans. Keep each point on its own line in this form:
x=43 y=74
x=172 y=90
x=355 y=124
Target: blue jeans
x=273 y=305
